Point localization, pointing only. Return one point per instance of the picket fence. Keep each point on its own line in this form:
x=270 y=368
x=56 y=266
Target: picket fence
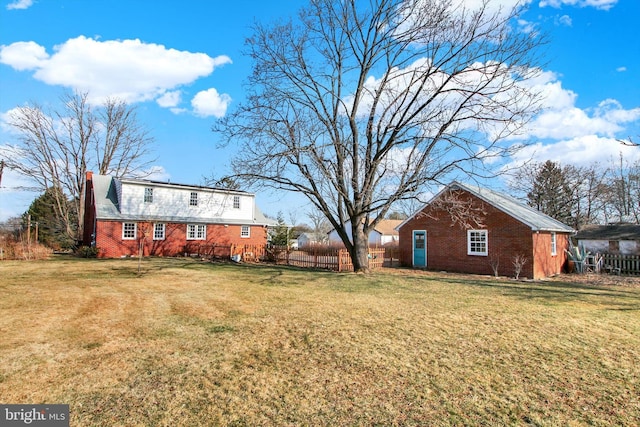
x=329 y=258
x=621 y=264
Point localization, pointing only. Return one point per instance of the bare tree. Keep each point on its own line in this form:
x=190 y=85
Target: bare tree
x=592 y=190
x=629 y=142
x=319 y=222
x=360 y=106
x=518 y=262
x=623 y=191
x=57 y=148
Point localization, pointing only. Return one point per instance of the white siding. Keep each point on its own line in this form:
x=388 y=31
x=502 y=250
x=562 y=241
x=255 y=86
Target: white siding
x=629 y=247
x=595 y=246
x=174 y=202
x=388 y=239
x=626 y=247
x=375 y=237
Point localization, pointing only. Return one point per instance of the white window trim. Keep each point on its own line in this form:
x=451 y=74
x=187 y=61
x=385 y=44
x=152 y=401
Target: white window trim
x=554 y=243
x=135 y=231
x=193 y=198
x=248 y=232
x=486 y=243
x=164 y=231
x=196 y=229
x=148 y=195
x=236 y=199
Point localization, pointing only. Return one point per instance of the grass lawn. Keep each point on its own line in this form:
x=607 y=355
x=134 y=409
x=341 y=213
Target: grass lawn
x=188 y=343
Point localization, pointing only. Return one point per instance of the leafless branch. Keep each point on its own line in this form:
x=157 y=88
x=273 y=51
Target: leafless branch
x=360 y=107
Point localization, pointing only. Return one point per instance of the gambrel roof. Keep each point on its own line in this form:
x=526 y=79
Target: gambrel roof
x=107 y=203
x=527 y=215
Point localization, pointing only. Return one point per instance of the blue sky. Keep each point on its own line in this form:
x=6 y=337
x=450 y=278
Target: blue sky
x=181 y=64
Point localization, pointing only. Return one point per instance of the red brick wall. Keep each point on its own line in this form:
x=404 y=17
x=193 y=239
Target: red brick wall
x=546 y=264
x=111 y=245
x=447 y=243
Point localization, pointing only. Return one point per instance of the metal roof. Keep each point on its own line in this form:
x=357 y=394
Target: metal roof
x=513 y=207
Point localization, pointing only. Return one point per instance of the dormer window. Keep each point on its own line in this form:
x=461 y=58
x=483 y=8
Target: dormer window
x=148 y=195
x=193 y=199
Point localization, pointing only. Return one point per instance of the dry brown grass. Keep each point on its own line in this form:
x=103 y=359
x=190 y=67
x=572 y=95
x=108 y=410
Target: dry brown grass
x=191 y=343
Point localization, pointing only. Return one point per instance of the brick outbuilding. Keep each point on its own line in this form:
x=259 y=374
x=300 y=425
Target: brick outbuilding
x=470 y=229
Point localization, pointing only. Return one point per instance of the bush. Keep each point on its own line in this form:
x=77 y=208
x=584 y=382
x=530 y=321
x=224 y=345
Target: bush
x=87 y=252
x=18 y=249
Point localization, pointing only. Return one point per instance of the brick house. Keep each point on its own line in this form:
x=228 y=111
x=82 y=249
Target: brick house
x=122 y=215
x=469 y=229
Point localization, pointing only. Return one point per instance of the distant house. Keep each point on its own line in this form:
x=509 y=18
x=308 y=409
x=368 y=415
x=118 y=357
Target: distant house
x=470 y=229
x=384 y=233
x=618 y=239
x=311 y=239
x=123 y=215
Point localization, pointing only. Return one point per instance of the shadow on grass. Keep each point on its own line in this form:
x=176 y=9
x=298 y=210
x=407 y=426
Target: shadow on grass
x=609 y=297
x=553 y=292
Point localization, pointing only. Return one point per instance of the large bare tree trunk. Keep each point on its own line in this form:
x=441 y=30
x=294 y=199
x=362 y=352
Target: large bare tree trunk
x=362 y=106
x=360 y=251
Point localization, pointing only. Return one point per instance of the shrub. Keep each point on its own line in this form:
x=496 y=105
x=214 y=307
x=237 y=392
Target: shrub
x=87 y=252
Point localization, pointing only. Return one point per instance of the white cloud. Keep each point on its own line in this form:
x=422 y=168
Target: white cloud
x=23 y=55
x=20 y=4
x=210 y=103
x=621 y=69
x=581 y=151
x=526 y=27
x=128 y=69
x=155 y=173
x=598 y=4
x=565 y=20
x=494 y=6
x=170 y=99
x=562 y=119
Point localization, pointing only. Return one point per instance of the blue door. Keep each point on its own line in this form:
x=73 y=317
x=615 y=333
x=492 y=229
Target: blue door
x=419 y=248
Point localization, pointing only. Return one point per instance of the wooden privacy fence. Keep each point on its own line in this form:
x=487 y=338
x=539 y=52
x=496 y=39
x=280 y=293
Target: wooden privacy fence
x=336 y=259
x=622 y=264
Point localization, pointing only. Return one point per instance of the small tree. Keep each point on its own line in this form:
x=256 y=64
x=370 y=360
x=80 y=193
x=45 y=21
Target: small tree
x=518 y=262
x=280 y=236
x=494 y=262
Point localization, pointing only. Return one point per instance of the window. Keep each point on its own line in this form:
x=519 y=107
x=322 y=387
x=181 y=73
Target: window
x=128 y=230
x=245 y=231
x=554 y=246
x=236 y=202
x=193 y=199
x=196 y=232
x=477 y=242
x=158 y=231
x=614 y=246
x=148 y=195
